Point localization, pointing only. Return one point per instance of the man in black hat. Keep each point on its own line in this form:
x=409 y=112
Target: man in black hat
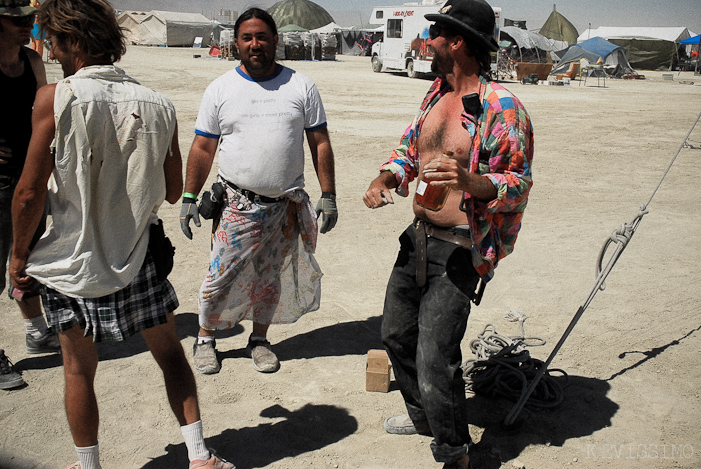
x=473 y=138
x=21 y=75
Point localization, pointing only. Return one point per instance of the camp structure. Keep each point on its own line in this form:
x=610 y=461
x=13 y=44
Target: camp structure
x=303 y=13
x=647 y=48
x=530 y=46
x=348 y=41
x=691 y=62
x=559 y=28
x=594 y=50
x=289 y=28
x=218 y=28
x=174 y=29
x=130 y=21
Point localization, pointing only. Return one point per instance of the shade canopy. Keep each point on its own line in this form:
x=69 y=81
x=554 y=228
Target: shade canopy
x=559 y=28
x=692 y=40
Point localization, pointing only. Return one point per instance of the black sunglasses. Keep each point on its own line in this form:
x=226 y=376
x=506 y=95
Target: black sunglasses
x=21 y=21
x=434 y=31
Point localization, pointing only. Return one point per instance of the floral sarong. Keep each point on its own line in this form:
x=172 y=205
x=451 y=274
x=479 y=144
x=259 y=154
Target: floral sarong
x=262 y=264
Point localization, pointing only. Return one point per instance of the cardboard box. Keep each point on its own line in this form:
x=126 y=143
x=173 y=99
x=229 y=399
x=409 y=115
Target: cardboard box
x=377 y=371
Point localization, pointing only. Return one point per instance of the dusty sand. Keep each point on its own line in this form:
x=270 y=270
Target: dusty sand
x=633 y=398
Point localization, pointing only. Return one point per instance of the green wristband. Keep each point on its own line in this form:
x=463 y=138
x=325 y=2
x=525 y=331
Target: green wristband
x=189 y=195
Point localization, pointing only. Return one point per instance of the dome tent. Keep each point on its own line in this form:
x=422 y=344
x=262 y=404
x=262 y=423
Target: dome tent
x=303 y=13
x=595 y=49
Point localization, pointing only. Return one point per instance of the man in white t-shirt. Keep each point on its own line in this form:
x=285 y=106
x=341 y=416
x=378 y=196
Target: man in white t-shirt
x=262 y=266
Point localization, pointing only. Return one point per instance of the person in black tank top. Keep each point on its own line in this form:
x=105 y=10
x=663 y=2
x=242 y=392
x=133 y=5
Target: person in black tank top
x=21 y=74
x=16 y=125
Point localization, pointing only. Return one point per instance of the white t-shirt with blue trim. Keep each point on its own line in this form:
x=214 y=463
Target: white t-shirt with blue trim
x=260 y=124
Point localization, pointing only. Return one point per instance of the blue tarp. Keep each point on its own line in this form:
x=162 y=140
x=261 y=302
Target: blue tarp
x=613 y=56
x=692 y=40
x=599 y=46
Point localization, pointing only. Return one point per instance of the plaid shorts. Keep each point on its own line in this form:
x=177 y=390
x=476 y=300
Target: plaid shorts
x=144 y=303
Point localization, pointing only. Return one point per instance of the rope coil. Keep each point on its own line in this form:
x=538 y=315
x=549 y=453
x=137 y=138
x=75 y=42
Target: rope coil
x=503 y=367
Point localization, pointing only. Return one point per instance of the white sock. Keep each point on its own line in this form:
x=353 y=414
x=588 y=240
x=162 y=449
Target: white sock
x=36 y=327
x=203 y=339
x=89 y=456
x=194 y=440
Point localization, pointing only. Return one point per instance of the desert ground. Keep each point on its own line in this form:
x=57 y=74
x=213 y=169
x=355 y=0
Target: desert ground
x=632 y=399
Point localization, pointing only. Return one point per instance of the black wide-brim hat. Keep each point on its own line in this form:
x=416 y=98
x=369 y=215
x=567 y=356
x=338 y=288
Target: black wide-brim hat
x=475 y=18
x=16 y=8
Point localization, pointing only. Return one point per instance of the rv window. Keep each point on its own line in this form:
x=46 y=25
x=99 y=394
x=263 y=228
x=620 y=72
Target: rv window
x=379 y=14
x=394 y=28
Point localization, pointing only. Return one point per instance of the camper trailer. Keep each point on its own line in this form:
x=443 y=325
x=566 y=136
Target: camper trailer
x=403 y=46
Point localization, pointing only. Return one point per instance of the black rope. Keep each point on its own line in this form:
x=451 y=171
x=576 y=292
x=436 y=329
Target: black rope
x=505 y=369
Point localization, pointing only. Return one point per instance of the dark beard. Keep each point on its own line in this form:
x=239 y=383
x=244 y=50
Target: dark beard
x=258 y=67
x=441 y=65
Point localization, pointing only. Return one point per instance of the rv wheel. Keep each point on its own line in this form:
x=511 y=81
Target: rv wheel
x=410 y=70
x=376 y=64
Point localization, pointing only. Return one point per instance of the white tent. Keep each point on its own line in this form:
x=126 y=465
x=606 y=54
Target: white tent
x=172 y=28
x=647 y=48
x=672 y=34
x=328 y=29
x=130 y=21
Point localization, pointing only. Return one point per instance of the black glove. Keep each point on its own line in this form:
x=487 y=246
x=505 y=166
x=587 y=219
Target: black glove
x=327 y=206
x=189 y=211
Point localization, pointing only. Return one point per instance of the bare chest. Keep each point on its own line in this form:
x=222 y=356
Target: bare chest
x=442 y=131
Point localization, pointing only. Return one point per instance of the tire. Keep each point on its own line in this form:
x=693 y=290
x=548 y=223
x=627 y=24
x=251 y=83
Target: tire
x=410 y=72
x=376 y=64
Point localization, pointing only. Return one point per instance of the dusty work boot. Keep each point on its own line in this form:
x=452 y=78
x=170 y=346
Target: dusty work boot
x=212 y=463
x=9 y=377
x=264 y=360
x=403 y=425
x=204 y=356
x=47 y=343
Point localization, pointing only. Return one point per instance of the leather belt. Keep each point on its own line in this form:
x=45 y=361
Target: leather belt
x=252 y=196
x=458 y=236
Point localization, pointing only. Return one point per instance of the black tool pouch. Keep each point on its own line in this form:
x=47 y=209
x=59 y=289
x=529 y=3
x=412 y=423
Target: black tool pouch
x=212 y=202
x=161 y=249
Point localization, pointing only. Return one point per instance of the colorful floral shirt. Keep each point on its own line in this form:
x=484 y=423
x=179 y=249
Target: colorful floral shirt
x=502 y=151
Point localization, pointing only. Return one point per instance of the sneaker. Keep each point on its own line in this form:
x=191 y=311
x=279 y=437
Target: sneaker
x=205 y=357
x=48 y=343
x=264 y=360
x=75 y=465
x=9 y=377
x=403 y=425
x=212 y=463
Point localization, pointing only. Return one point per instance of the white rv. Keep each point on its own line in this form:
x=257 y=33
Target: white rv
x=403 y=46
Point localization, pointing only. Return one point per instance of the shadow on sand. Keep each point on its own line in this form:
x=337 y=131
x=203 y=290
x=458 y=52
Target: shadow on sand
x=308 y=429
x=346 y=338
x=186 y=324
x=585 y=410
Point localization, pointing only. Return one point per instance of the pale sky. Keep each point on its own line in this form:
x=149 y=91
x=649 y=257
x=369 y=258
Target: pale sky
x=581 y=13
